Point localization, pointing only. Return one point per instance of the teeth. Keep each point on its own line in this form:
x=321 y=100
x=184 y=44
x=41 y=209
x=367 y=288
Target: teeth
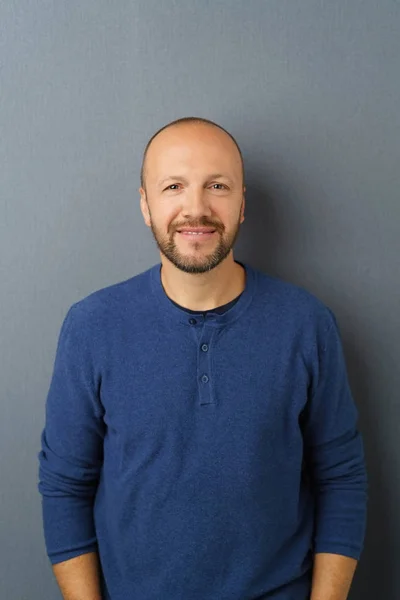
x=196 y=232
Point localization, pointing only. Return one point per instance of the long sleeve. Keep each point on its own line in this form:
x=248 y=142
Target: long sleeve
x=70 y=459
x=335 y=454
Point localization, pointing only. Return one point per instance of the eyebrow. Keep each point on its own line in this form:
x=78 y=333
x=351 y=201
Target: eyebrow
x=212 y=176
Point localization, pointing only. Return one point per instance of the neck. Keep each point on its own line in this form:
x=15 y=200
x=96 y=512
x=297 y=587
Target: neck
x=203 y=291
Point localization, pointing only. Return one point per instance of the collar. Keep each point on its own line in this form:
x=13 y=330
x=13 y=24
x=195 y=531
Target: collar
x=177 y=315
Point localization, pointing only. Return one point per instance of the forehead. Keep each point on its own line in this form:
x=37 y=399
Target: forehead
x=192 y=149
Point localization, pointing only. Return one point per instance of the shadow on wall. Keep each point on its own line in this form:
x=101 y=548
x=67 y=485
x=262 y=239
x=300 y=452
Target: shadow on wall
x=375 y=576
x=260 y=237
x=264 y=242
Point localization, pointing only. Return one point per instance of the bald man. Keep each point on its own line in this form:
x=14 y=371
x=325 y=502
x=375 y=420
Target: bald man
x=201 y=439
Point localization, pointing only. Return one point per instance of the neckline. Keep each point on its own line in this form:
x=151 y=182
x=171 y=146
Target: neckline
x=196 y=319
x=219 y=309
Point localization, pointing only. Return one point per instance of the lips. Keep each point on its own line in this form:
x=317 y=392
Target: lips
x=196 y=231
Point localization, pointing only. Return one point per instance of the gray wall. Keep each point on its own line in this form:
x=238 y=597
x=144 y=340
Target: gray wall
x=310 y=89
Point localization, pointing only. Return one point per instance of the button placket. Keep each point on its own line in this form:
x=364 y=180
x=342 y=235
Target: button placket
x=204 y=366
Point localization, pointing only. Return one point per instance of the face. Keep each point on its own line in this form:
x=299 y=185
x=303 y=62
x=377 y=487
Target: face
x=193 y=199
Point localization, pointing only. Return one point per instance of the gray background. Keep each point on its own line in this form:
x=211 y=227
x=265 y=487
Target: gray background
x=310 y=89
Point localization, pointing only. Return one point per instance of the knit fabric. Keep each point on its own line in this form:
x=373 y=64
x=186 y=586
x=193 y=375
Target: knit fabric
x=205 y=456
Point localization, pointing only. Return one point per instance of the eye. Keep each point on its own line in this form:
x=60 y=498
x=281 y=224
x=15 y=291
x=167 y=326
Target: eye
x=218 y=186
x=173 y=187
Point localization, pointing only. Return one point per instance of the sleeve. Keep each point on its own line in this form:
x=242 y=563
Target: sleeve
x=335 y=454
x=71 y=453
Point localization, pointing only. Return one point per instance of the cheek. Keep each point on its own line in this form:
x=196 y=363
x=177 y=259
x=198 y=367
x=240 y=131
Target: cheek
x=229 y=217
x=159 y=210
x=164 y=218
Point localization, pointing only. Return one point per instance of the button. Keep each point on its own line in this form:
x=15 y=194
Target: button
x=204 y=378
x=192 y=321
x=204 y=347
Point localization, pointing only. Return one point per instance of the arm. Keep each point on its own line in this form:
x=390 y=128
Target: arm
x=335 y=457
x=79 y=578
x=332 y=576
x=70 y=460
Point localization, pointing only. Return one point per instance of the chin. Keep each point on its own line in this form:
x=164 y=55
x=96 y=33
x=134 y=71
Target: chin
x=190 y=264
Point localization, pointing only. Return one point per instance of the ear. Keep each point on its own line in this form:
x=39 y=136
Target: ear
x=242 y=217
x=144 y=207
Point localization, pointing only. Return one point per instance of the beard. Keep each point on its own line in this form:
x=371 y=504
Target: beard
x=196 y=261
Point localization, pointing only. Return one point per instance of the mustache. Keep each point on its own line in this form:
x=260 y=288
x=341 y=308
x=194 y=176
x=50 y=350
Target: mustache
x=194 y=224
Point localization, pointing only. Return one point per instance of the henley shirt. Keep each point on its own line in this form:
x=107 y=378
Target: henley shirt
x=204 y=456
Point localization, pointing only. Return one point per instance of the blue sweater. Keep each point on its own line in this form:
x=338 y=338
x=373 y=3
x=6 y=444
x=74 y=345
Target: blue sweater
x=204 y=456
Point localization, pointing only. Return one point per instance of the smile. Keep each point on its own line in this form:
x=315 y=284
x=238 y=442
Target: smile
x=196 y=232
x=201 y=235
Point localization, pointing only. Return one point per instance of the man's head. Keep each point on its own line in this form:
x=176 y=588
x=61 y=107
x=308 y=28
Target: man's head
x=192 y=177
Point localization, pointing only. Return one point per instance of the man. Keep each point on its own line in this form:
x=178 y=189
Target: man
x=201 y=439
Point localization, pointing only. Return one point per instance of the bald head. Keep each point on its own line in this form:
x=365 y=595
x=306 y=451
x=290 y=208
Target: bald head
x=194 y=131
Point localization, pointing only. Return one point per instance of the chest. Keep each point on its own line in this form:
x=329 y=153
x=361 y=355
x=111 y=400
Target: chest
x=202 y=381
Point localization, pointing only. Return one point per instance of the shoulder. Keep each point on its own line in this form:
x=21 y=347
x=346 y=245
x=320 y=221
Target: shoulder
x=109 y=305
x=291 y=304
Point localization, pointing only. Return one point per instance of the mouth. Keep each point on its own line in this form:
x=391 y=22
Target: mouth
x=197 y=233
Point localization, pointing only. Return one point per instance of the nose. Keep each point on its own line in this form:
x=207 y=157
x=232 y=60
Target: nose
x=195 y=204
